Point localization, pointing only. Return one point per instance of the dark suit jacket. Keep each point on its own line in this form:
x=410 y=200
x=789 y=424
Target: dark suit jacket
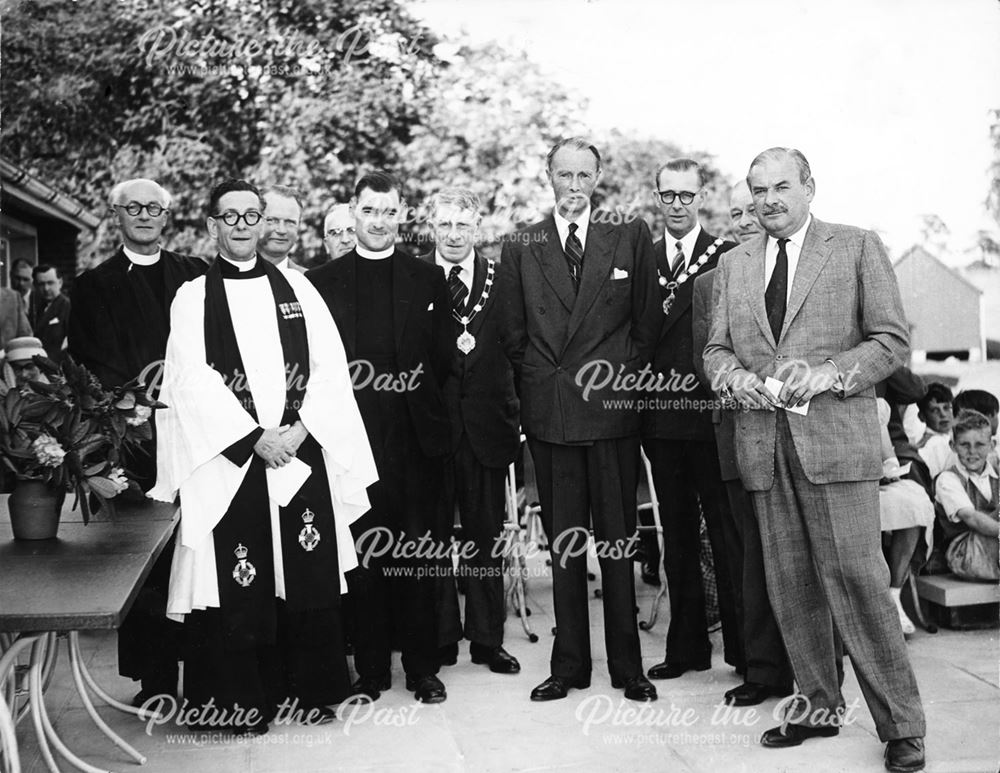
x=422 y=323
x=51 y=323
x=675 y=355
x=480 y=394
x=113 y=333
x=723 y=420
x=13 y=321
x=559 y=343
x=843 y=305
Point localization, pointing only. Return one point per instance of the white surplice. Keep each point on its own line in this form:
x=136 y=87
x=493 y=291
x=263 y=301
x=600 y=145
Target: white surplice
x=204 y=417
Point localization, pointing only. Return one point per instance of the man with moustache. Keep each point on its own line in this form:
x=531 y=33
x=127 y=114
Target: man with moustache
x=49 y=310
x=768 y=672
x=338 y=231
x=483 y=409
x=580 y=302
x=264 y=442
x=282 y=216
x=815 y=306
x=679 y=439
x=394 y=316
x=118 y=330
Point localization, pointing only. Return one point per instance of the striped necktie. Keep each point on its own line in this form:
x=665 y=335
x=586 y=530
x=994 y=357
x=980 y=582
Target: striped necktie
x=678 y=265
x=459 y=291
x=574 y=255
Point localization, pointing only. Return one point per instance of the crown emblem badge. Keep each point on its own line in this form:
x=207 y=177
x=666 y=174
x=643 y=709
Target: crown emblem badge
x=309 y=537
x=244 y=571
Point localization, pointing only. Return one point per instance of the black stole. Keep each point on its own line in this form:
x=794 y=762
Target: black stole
x=311 y=577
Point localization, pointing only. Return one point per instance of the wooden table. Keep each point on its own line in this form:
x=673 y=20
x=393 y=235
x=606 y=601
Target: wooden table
x=86 y=578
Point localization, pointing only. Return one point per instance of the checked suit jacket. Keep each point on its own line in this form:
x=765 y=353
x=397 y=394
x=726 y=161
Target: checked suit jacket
x=556 y=339
x=844 y=305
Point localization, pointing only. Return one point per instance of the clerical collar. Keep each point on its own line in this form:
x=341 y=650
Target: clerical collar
x=375 y=254
x=141 y=260
x=240 y=269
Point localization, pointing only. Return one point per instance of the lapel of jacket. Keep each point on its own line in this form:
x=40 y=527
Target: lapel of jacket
x=345 y=297
x=478 y=283
x=598 y=255
x=548 y=252
x=684 y=294
x=402 y=285
x=750 y=267
x=814 y=255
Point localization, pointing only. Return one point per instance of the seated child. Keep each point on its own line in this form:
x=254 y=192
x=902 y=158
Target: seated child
x=907 y=514
x=934 y=410
x=969 y=493
x=937 y=451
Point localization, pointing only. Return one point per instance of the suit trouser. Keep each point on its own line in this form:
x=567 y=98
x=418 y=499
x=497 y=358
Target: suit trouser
x=479 y=493
x=577 y=484
x=764 y=651
x=684 y=472
x=822 y=554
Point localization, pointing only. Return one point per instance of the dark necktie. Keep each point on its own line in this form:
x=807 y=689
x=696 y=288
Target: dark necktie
x=458 y=289
x=574 y=255
x=777 y=289
x=678 y=265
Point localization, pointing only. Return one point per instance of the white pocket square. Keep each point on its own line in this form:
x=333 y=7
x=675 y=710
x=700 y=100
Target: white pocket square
x=619 y=273
x=431 y=307
x=54 y=321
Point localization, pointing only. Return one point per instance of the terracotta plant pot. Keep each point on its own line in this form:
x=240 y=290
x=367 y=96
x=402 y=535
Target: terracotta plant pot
x=34 y=510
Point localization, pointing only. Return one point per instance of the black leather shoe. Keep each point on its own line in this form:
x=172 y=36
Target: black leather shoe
x=904 y=755
x=637 y=688
x=556 y=687
x=448 y=654
x=497 y=658
x=752 y=694
x=667 y=670
x=371 y=686
x=426 y=689
x=649 y=574
x=784 y=736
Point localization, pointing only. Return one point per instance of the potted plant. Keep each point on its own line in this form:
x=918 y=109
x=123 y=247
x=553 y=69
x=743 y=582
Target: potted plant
x=61 y=432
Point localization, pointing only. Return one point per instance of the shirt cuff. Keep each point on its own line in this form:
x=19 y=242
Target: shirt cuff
x=240 y=451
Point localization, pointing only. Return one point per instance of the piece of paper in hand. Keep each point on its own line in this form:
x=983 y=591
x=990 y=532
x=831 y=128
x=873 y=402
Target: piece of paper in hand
x=774 y=387
x=284 y=482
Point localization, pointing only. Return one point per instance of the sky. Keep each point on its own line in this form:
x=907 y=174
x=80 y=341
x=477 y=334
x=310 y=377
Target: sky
x=889 y=99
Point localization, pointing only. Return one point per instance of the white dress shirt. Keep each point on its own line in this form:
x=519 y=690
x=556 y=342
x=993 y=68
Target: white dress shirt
x=468 y=266
x=687 y=245
x=949 y=488
x=793 y=249
x=582 y=223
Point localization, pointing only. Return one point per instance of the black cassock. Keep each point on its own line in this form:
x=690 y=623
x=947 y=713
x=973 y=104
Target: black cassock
x=118 y=326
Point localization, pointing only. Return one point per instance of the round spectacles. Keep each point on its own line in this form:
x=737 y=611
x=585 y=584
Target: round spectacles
x=134 y=208
x=250 y=217
x=667 y=197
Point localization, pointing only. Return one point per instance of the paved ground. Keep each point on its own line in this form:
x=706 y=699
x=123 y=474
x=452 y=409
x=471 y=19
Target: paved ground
x=488 y=723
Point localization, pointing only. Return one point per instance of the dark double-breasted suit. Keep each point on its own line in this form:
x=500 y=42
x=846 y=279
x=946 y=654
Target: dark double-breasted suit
x=50 y=323
x=410 y=435
x=678 y=437
x=483 y=410
x=118 y=329
x=814 y=477
x=567 y=347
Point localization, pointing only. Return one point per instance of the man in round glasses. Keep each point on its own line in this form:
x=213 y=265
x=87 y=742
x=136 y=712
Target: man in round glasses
x=338 y=231
x=282 y=217
x=118 y=329
x=678 y=436
x=260 y=433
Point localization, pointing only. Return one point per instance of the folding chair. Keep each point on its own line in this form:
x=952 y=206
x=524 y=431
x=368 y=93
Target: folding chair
x=518 y=537
x=654 y=505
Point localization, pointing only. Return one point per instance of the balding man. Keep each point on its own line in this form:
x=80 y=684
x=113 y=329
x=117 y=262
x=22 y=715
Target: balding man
x=808 y=321
x=767 y=671
x=118 y=329
x=282 y=218
x=338 y=231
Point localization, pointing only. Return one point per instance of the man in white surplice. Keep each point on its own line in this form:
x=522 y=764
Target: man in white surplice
x=256 y=400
